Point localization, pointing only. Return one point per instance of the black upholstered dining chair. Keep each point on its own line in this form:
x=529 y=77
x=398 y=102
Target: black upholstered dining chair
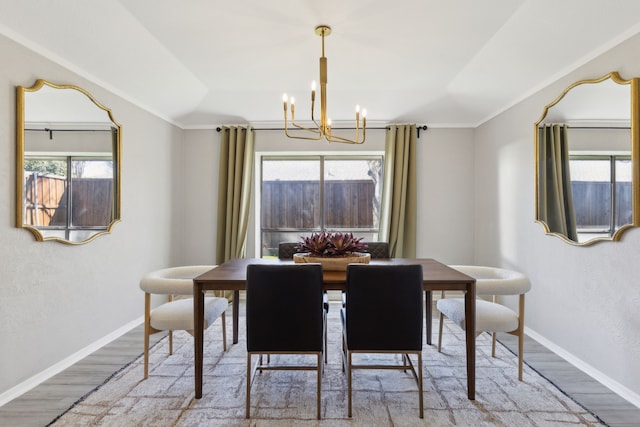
x=285 y=315
x=377 y=250
x=383 y=314
x=286 y=251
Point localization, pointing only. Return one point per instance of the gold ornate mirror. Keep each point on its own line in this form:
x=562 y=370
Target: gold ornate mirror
x=67 y=164
x=587 y=159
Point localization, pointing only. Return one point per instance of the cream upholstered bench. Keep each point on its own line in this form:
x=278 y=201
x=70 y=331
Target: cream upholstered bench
x=490 y=315
x=177 y=314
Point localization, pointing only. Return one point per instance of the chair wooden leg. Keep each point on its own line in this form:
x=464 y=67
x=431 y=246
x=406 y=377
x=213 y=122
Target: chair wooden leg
x=147 y=332
x=224 y=331
x=170 y=298
x=319 y=386
x=520 y=353
x=420 y=386
x=248 y=398
x=146 y=356
x=440 y=332
x=349 y=360
x=325 y=344
x=344 y=354
x=520 y=335
x=493 y=344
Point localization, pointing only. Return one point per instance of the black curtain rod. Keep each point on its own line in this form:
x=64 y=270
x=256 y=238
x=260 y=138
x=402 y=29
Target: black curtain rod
x=593 y=127
x=68 y=130
x=50 y=131
x=600 y=127
x=419 y=128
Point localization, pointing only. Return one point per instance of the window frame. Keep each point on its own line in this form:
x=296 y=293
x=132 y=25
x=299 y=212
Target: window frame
x=612 y=160
x=68 y=227
x=322 y=158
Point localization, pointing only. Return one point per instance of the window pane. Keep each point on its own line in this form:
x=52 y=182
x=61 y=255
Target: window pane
x=45 y=187
x=624 y=204
x=352 y=190
x=291 y=194
x=291 y=204
x=92 y=192
x=290 y=200
x=591 y=187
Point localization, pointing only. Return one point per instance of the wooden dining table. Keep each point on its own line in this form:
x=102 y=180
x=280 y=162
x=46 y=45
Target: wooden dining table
x=232 y=276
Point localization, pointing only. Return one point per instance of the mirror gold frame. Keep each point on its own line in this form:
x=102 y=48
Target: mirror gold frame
x=115 y=204
x=635 y=158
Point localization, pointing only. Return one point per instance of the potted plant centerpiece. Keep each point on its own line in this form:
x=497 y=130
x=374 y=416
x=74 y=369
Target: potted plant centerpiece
x=333 y=250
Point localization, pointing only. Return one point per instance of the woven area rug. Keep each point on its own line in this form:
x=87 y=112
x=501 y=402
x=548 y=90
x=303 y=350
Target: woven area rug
x=381 y=398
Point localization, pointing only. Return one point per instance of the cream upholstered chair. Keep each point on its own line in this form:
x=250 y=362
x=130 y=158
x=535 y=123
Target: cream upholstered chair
x=177 y=313
x=490 y=315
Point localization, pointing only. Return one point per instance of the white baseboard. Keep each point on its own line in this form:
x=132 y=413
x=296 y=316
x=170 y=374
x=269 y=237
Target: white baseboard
x=605 y=380
x=40 y=377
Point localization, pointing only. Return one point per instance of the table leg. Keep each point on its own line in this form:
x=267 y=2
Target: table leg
x=236 y=314
x=428 y=314
x=470 y=326
x=198 y=336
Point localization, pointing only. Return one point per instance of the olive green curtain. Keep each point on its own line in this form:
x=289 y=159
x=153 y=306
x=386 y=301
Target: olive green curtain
x=234 y=191
x=399 y=195
x=555 y=198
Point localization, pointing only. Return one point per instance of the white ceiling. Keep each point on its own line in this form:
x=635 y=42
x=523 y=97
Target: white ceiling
x=201 y=63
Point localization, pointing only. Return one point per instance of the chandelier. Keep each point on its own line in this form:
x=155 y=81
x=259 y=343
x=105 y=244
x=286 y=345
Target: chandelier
x=322 y=129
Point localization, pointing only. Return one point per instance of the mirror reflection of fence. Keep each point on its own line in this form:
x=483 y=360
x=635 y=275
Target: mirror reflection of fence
x=601 y=180
x=598 y=202
x=68 y=164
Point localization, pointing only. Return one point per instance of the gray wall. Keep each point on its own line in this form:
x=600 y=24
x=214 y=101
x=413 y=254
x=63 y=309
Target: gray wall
x=584 y=300
x=60 y=300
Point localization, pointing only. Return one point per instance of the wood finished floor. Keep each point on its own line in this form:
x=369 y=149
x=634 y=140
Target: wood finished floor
x=43 y=404
x=612 y=409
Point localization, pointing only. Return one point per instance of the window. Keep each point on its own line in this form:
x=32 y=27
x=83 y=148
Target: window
x=601 y=187
x=68 y=195
x=302 y=195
